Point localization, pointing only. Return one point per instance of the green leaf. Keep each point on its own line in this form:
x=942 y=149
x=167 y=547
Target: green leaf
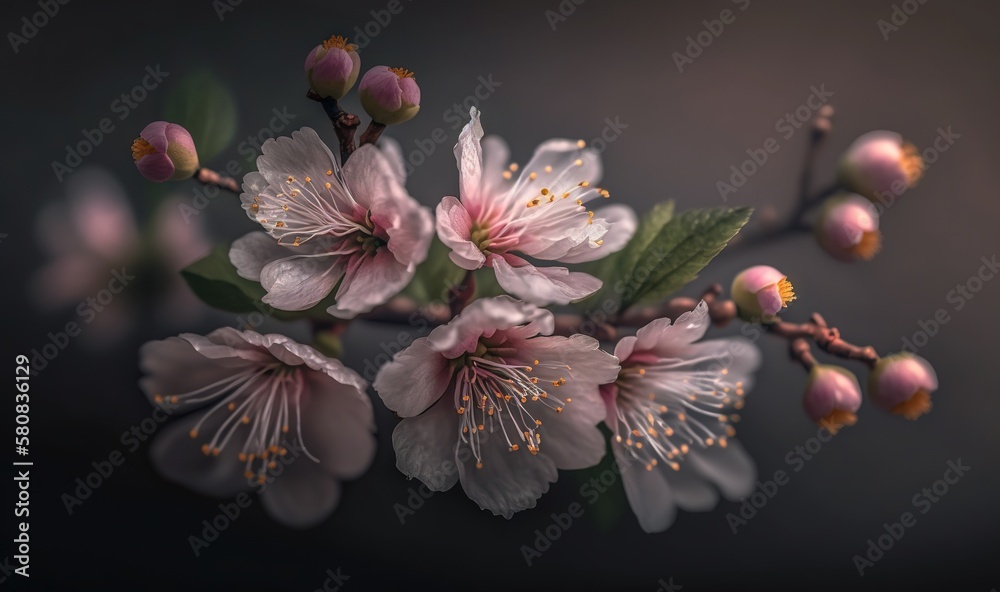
x=623 y=263
x=665 y=254
x=214 y=280
x=207 y=109
x=680 y=250
x=435 y=275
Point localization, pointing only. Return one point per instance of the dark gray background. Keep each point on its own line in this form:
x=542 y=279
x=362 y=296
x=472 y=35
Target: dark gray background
x=608 y=59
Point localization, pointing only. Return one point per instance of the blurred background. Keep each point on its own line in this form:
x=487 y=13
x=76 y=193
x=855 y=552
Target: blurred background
x=536 y=70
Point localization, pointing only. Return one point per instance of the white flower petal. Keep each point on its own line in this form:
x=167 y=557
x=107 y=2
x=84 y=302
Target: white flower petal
x=299 y=156
x=545 y=285
x=414 y=379
x=370 y=176
x=338 y=426
x=648 y=493
x=425 y=446
x=469 y=157
x=454 y=227
x=509 y=481
x=622 y=223
x=731 y=469
x=299 y=283
x=179 y=459
x=486 y=316
x=370 y=283
x=302 y=495
x=394 y=156
x=252 y=251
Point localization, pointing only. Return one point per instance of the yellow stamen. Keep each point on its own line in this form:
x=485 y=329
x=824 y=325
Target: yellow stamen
x=837 y=419
x=915 y=406
x=912 y=163
x=140 y=148
x=785 y=291
x=339 y=42
x=401 y=72
x=869 y=245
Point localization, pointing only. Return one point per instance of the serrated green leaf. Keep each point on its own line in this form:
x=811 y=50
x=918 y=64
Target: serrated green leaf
x=680 y=250
x=623 y=263
x=435 y=275
x=207 y=109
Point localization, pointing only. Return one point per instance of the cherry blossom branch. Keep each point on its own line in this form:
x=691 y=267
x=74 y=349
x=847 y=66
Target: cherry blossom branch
x=827 y=338
x=344 y=124
x=372 y=134
x=210 y=177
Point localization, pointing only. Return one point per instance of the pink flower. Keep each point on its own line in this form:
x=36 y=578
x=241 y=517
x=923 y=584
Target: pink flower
x=832 y=397
x=357 y=226
x=538 y=212
x=902 y=384
x=880 y=163
x=389 y=95
x=332 y=67
x=668 y=414
x=263 y=412
x=848 y=228
x=760 y=292
x=164 y=152
x=477 y=395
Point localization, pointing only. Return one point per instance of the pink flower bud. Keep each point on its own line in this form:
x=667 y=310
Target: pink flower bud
x=389 y=95
x=848 y=228
x=164 y=152
x=760 y=292
x=332 y=67
x=880 y=163
x=902 y=383
x=832 y=397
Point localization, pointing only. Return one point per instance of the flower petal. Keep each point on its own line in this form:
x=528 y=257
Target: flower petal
x=469 y=157
x=454 y=227
x=409 y=227
x=302 y=495
x=179 y=459
x=508 y=482
x=648 y=493
x=369 y=283
x=731 y=468
x=622 y=223
x=370 y=176
x=393 y=153
x=486 y=316
x=299 y=156
x=414 y=379
x=299 y=283
x=425 y=446
x=250 y=253
x=546 y=285
x=338 y=426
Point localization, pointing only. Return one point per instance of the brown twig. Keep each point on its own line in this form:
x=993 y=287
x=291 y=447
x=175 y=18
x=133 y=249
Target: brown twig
x=210 y=177
x=344 y=124
x=826 y=337
x=371 y=134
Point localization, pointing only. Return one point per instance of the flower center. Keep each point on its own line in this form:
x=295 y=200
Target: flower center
x=785 y=291
x=501 y=397
x=261 y=400
x=912 y=163
x=915 y=406
x=401 y=72
x=837 y=419
x=869 y=245
x=339 y=42
x=666 y=406
x=141 y=148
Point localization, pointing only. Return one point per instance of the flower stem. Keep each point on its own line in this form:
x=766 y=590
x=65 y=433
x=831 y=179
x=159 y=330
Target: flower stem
x=371 y=134
x=826 y=337
x=210 y=177
x=344 y=124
